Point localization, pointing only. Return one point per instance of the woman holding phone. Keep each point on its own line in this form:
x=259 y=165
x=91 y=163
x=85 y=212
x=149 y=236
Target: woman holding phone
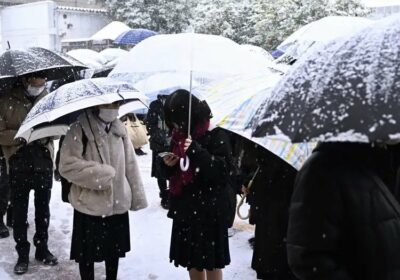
x=199 y=195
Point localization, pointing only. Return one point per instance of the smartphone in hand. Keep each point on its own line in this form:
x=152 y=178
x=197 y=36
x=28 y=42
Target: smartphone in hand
x=164 y=154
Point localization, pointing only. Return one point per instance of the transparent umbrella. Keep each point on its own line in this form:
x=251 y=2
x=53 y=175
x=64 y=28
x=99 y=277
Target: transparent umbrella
x=234 y=102
x=62 y=104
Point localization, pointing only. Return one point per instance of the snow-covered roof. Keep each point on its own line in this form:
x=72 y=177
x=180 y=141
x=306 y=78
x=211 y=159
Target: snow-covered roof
x=79 y=9
x=110 y=31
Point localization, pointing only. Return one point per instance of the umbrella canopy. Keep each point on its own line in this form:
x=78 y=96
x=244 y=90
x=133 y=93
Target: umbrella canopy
x=90 y=58
x=111 y=54
x=134 y=36
x=164 y=83
x=6 y=82
x=195 y=57
x=15 y=63
x=76 y=96
x=348 y=91
x=234 y=101
x=110 y=32
x=320 y=32
x=259 y=50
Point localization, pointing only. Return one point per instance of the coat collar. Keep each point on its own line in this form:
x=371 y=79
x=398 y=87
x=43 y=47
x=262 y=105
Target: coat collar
x=88 y=117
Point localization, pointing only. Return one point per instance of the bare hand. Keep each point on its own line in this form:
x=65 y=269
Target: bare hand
x=170 y=160
x=244 y=190
x=188 y=141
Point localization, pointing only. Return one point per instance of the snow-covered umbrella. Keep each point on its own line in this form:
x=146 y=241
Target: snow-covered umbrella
x=198 y=57
x=134 y=36
x=111 y=54
x=89 y=57
x=16 y=63
x=259 y=50
x=348 y=91
x=164 y=83
x=320 y=32
x=67 y=100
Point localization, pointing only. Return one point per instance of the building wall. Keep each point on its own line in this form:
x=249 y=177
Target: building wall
x=76 y=24
x=36 y=29
x=72 y=3
x=45 y=24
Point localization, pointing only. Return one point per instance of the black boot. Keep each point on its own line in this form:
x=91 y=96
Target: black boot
x=3 y=229
x=22 y=265
x=43 y=255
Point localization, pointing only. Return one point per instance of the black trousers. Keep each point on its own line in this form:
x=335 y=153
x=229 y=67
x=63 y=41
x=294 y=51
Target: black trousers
x=4 y=194
x=22 y=183
x=4 y=186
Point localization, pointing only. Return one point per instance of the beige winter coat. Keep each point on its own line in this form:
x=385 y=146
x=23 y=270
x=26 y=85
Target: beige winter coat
x=105 y=181
x=14 y=107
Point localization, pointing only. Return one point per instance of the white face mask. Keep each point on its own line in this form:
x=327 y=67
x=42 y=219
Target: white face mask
x=108 y=115
x=35 y=91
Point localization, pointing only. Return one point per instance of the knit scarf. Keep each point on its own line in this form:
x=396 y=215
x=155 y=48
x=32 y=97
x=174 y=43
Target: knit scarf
x=183 y=178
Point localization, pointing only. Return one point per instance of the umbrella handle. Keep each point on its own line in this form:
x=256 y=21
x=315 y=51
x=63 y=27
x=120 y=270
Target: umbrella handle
x=238 y=209
x=184 y=165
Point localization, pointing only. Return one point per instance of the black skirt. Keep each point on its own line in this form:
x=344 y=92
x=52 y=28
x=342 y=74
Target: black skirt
x=95 y=239
x=199 y=246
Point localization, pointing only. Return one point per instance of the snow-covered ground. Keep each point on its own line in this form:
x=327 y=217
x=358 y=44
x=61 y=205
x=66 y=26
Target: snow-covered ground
x=150 y=236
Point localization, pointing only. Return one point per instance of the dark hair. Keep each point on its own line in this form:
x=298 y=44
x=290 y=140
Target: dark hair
x=176 y=110
x=35 y=75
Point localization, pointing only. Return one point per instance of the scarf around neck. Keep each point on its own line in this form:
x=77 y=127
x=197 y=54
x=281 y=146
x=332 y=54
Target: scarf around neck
x=183 y=178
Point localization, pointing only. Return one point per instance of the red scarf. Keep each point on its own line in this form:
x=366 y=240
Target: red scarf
x=183 y=178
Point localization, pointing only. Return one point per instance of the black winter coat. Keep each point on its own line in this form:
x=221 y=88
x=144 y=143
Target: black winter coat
x=157 y=128
x=206 y=200
x=342 y=225
x=269 y=207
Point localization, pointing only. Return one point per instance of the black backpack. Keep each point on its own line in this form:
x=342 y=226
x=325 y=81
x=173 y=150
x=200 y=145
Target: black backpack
x=65 y=184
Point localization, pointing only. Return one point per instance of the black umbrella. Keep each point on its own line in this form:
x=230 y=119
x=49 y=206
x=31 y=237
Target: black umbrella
x=348 y=91
x=16 y=63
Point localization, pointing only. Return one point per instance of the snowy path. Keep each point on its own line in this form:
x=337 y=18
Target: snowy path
x=150 y=233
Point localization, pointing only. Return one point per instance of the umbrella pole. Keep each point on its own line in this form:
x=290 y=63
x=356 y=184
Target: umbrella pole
x=184 y=162
x=190 y=105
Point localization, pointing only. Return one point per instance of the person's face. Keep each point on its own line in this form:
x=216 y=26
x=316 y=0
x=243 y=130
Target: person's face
x=34 y=86
x=35 y=82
